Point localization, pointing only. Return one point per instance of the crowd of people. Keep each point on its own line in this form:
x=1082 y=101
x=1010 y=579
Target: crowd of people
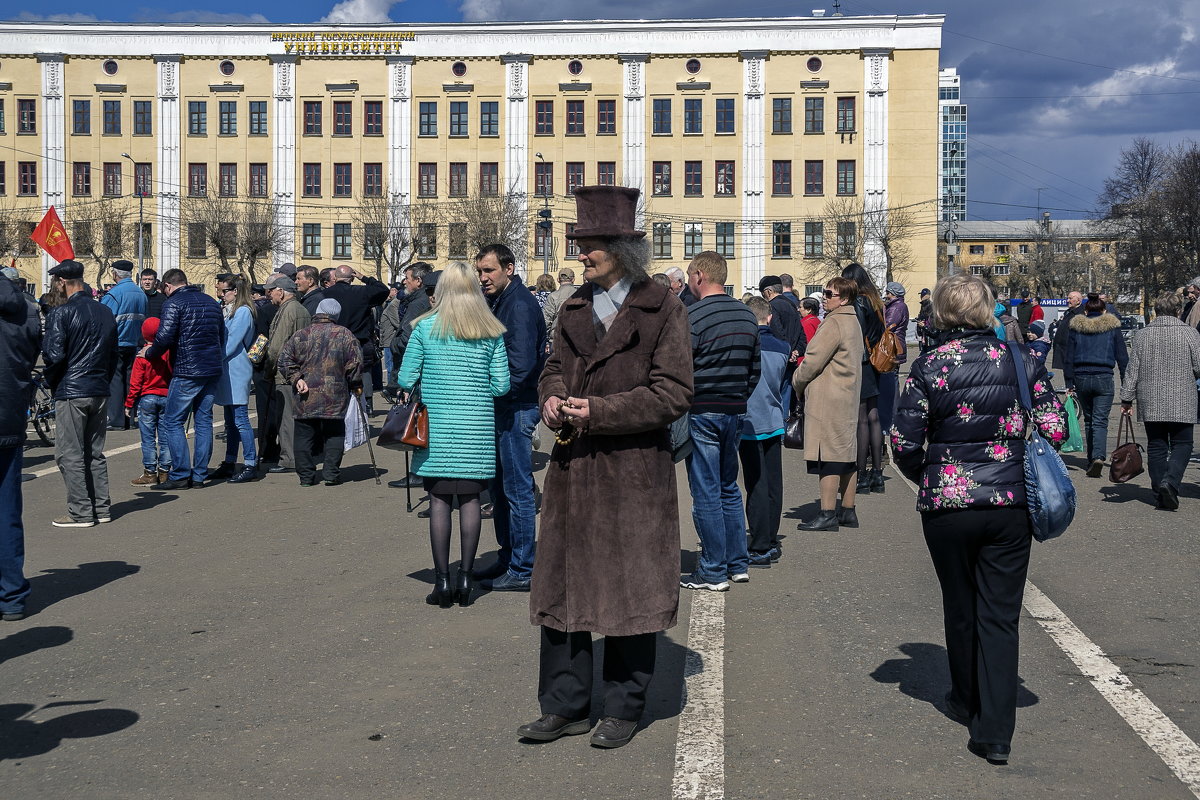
x=632 y=373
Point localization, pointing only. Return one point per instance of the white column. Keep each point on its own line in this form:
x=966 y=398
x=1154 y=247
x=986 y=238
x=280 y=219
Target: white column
x=399 y=185
x=633 y=126
x=875 y=161
x=168 y=171
x=283 y=133
x=516 y=131
x=755 y=232
x=53 y=166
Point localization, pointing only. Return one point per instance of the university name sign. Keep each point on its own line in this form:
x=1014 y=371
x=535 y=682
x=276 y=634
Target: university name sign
x=342 y=43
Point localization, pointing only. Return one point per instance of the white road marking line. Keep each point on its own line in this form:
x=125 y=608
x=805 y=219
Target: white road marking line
x=700 y=743
x=1172 y=745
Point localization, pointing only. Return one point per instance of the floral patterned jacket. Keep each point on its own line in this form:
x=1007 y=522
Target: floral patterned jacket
x=959 y=430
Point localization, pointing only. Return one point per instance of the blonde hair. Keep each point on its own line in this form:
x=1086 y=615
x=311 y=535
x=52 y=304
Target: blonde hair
x=962 y=301
x=461 y=311
x=712 y=265
x=759 y=307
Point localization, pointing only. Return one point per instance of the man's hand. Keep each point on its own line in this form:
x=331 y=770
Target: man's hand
x=301 y=386
x=550 y=412
x=576 y=408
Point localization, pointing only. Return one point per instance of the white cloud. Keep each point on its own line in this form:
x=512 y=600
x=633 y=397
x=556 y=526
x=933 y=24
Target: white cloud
x=355 y=11
x=195 y=15
x=26 y=16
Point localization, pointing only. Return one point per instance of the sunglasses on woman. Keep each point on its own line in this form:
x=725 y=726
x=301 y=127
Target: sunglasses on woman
x=831 y=293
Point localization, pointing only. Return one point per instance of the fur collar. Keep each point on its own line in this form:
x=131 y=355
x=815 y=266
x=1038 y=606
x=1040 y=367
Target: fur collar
x=1102 y=323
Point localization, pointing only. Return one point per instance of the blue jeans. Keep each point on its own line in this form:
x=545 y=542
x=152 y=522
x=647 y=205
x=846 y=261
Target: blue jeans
x=194 y=396
x=712 y=470
x=13 y=586
x=1095 y=394
x=150 y=410
x=237 y=428
x=512 y=488
x=888 y=390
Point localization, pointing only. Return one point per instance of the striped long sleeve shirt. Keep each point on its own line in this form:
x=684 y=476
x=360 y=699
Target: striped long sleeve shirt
x=725 y=354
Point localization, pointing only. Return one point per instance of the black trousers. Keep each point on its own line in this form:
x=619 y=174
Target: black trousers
x=981 y=557
x=1168 y=448
x=762 y=471
x=118 y=387
x=268 y=433
x=327 y=436
x=565 y=673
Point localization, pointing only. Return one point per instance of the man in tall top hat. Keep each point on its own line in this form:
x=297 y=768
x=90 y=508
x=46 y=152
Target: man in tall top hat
x=619 y=374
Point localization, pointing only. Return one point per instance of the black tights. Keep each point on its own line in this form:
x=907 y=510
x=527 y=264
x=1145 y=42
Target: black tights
x=870 y=434
x=469 y=522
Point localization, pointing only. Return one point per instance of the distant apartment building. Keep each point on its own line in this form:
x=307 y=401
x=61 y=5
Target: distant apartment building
x=952 y=142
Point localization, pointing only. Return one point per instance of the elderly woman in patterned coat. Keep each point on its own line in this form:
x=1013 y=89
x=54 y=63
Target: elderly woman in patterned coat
x=959 y=434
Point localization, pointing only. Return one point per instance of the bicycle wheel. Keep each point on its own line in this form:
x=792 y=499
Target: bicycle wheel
x=43 y=414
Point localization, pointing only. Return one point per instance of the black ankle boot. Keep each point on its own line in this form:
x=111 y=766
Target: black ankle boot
x=825 y=521
x=462 y=592
x=864 y=482
x=847 y=517
x=441 y=594
x=877 y=481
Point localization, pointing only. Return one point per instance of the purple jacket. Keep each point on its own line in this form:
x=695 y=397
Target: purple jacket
x=895 y=313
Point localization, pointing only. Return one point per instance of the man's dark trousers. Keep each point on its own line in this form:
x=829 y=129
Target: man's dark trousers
x=762 y=472
x=14 y=588
x=565 y=673
x=327 y=436
x=118 y=387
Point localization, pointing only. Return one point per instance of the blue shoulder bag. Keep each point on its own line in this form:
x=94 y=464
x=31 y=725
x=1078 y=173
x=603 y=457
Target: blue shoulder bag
x=1049 y=492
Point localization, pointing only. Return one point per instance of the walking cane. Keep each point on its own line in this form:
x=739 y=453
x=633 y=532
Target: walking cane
x=407 y=489
x=362 y=412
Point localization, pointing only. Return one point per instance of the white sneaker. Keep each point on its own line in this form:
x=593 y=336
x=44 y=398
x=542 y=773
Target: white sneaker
x=741 y=577
x=102 y=519
x=692 y=582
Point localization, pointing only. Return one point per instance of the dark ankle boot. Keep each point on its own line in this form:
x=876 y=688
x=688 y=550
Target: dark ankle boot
x=848 y=517
x=877 y=481
x=864 y=482
x=462 y=591
x=441 y=594
x=825 y=521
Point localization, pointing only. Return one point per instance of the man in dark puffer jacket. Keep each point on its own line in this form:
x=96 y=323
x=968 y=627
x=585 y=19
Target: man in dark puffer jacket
x=194 y=329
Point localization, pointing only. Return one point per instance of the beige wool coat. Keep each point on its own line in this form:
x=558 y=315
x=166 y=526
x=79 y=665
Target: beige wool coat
x=830 y=379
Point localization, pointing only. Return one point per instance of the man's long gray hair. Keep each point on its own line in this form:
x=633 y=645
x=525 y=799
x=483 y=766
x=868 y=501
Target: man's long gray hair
x=631 y=255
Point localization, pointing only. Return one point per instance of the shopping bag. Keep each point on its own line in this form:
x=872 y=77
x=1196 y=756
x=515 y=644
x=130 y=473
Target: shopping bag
x=1074 y=442
x=356 y=425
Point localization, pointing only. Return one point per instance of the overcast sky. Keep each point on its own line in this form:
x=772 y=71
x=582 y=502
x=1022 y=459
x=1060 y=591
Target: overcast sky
x=1055 y=89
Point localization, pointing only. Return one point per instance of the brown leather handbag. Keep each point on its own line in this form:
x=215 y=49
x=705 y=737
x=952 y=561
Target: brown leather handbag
x=407 y=424
x=1127 y=458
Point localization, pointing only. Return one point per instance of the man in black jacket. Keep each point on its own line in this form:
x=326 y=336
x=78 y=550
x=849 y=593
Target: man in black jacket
x=358 y=314
x=785 y=325
x=1063 y=330
x=79 y=351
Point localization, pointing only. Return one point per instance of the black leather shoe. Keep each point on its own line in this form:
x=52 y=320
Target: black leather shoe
x=410 y=482
x=487 y=573
x=864 y=482
x=877 y=481
x=173 y=486
x=334 y=482
x=549 y=727
x=277 y=469
x=462 y=588
x=248 y=473
x=825 y=521
x=760 y=560
x=227 y=470
x=442 y=595
x=613 y=732
x=994 y=753
x=507 y=583
x=848 y=517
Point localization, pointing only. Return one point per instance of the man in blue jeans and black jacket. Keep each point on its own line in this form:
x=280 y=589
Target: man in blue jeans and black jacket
x=517 y=416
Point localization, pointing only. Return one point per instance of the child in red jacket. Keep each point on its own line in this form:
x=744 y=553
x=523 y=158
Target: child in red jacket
x=148 y=390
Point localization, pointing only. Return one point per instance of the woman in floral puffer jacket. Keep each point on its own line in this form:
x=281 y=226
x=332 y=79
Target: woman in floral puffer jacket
x=959 y=434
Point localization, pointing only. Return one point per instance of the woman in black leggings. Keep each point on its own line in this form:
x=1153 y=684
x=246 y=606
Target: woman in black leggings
x=869 y=307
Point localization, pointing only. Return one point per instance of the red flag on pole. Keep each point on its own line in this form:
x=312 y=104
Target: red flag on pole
x=52 y=237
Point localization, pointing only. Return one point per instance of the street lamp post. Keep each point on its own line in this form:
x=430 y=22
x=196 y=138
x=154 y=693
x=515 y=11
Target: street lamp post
x=141 y=236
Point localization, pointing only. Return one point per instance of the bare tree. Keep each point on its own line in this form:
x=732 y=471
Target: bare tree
x=242 y=232
x=842 y=233
x=14 y=233
x=104 y=231
x=492 y=219
x=893 y=229
x=393 y=234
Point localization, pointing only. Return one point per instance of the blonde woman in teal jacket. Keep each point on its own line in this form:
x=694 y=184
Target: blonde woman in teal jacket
x=456 y=353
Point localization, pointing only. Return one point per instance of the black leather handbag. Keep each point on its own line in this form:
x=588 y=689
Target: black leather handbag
x=793 y=428
x=407 y=424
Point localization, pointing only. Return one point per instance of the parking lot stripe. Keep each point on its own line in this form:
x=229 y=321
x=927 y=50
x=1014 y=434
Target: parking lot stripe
x=700 y=742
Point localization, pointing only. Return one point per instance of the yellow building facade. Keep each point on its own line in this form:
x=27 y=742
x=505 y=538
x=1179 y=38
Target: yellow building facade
x=740 y=133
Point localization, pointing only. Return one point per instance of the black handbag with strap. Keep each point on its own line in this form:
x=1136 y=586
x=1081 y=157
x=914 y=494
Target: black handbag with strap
x=407 y=424
x=1127 y=461
x=793 y=427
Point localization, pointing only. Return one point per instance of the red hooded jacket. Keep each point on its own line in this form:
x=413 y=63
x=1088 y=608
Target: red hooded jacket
x=150 y=375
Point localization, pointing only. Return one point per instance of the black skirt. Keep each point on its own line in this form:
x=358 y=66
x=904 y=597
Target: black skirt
x=827 y=469
x=870 y=382
x=454 y=485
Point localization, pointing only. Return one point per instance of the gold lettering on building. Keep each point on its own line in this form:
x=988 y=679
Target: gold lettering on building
x=338 y=43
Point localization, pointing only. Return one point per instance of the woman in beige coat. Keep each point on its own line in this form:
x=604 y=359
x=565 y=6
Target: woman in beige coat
x=830 y=380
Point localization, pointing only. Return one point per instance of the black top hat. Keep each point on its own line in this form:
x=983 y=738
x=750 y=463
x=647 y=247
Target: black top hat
x=605 y=211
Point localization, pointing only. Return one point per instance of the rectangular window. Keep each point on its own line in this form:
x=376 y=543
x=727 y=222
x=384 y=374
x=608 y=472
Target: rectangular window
x=372 y=118
x=845 y=114
x=693 y=178
x=781 y=115
x=343 y=180
x=3 y=181
x=227 y=175
x=662 y=177
x=143 y=179
x=460 y=119
x=197 y=241
x=227 y=110
x=312 y=240
x=781 y=240
x=427 y=240
x=112 y=179
x=725 y=241
x=693 y=115
x=662 y=115
x=112 y=117
x=1000 y=249
x=724 y=115
x=341 y=240
x=197 y=180
x=81 y=179
x=258 y=118
x=693 y=239
x=489 y=178
x=814 y=115
x=427 y=180
x=312 y=180
x=343 y=125
x=847 y=239
x=814 y=239
x=258 y=180
x=845 y=177
x=456 y=240
x=312 y=117
x=81 y=117
x=572 y=245
x=575 y=118
x=574 y=176
x=724 y=178
x=1104 y=248
x=814 y=177
x=606 y=117
x=489 y=118
x=544 y=118
x=606 y=173
x=26 y=116
x=660 y=240
x=372 y=240
x=975 y=249
x=542 y=241
x=543 y=179
x=781 y=177
x=427 y=119
x=458 y=179
x=1023 y=249
x=143 y=118
x=373 y=179
x=27 y=177
x=197 y=118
